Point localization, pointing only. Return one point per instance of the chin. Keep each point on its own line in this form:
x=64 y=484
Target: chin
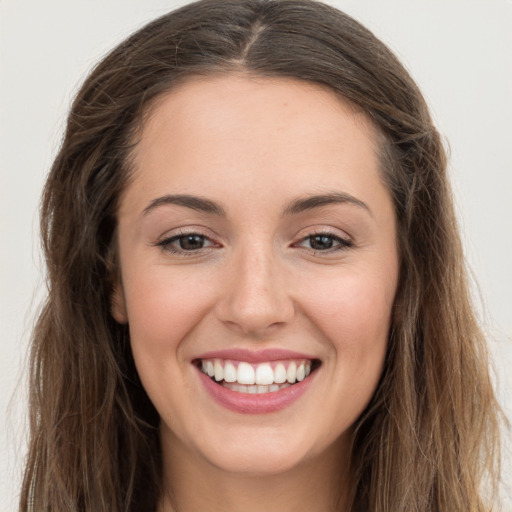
x=252 y=452
x=257 y=462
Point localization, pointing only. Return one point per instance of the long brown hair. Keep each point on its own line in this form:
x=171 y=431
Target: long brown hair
x=430 y=434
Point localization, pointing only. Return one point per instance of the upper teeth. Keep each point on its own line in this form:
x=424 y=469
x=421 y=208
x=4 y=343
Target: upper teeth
x=263 y=373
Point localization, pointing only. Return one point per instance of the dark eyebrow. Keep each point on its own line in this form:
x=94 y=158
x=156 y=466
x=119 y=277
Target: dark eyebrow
x=317 y=201
x=199 y=204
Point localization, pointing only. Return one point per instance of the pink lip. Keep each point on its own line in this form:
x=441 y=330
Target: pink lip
x=253 y=356
x=246 y=403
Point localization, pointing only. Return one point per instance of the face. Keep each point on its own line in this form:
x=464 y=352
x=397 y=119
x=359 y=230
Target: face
x=258 y=270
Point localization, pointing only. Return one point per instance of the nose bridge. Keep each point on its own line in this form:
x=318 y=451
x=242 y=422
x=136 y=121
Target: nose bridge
x=256 y=297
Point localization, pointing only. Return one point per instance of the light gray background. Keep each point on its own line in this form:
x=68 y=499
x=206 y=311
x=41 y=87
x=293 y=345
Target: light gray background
x=459 y=51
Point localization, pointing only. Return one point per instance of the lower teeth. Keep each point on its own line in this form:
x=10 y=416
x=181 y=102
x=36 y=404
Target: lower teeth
x=254 y=389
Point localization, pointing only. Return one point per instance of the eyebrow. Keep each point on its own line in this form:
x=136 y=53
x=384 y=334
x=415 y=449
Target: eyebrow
x=197 y=203
x=300 y=205
x=317 y=201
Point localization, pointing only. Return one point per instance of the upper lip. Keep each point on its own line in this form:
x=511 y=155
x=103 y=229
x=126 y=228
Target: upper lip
x=255 y=356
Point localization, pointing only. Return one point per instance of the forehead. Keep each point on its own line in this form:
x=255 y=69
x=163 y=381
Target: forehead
x=228 y=97
x=254 y=132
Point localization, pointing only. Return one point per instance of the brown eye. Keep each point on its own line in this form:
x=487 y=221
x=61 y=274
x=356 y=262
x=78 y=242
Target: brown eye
x=324 y=242
x=186 y=243
x=321 y=242
x=191 y=242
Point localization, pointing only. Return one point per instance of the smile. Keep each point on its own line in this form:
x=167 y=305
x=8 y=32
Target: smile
x=256 y=381
x=264 y=377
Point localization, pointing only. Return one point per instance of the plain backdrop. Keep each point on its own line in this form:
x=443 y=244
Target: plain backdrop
x=459 y=51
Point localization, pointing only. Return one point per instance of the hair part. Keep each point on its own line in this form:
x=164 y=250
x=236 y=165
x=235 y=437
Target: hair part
x=430 y=434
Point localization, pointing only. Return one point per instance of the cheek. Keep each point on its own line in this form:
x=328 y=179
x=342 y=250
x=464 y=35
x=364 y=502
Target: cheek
x=163 y=308
x=353 y=313
x=353 y=309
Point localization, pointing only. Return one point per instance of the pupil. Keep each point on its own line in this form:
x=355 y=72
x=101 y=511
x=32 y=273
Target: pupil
x=191 y=242
x=320 y=242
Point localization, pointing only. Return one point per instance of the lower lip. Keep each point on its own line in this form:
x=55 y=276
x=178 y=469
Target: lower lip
x=262 y=403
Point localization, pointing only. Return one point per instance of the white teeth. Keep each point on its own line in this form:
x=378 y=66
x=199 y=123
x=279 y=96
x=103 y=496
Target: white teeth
x=230 y=372
x=279 y=373
x=291 y=373
x=256 y=378
x=256 y=389
x=219 y=370
x=245 y=373
x=264 y=374
x=209 y=369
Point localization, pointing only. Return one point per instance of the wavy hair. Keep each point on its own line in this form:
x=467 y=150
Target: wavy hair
x=430 y=435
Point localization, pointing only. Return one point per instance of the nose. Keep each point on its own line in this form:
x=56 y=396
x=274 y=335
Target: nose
x=255 y=297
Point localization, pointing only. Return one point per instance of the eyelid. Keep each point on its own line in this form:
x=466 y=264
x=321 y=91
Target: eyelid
x=344 y=241
x=165 y=241
x=341 y=239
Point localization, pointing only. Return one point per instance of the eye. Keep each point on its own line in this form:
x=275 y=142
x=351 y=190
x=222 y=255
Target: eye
x=186 y=243
x=324 y=242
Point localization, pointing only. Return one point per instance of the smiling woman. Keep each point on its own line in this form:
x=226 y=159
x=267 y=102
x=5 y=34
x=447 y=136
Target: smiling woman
x=257 y=291
x=266 y=280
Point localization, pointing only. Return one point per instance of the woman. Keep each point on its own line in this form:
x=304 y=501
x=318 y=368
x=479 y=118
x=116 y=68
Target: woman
x=257 y=292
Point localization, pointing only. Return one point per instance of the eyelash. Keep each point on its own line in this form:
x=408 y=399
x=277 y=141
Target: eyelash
x=166 y=244
x=343 y=243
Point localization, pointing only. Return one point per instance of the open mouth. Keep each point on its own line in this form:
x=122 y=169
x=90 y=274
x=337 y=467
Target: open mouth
x=266 y=377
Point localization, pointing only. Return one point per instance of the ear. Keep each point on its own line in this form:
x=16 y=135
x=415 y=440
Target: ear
x=118 y=303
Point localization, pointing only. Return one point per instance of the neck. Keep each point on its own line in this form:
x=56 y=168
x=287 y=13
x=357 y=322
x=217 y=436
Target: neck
x=192 y=483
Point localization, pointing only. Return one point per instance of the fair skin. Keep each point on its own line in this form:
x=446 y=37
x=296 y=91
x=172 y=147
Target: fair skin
x=222 y=249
